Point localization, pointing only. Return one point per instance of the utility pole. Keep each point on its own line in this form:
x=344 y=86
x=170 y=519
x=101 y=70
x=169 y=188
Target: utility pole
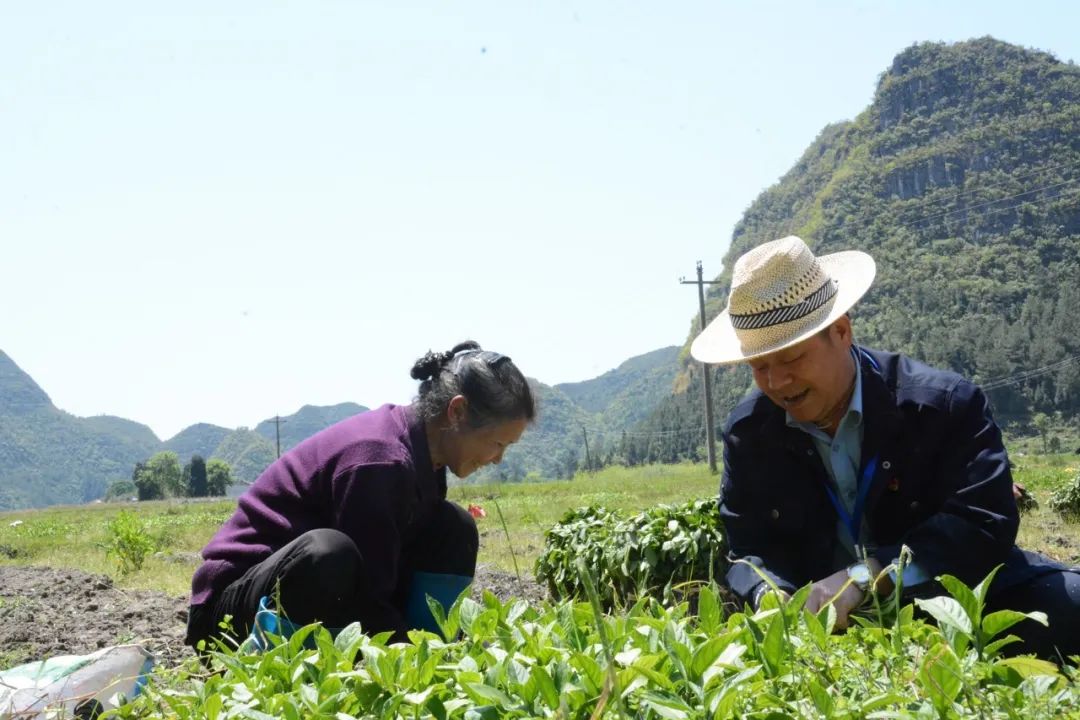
x=710 y=430
x=277 y=432
x=588 y=459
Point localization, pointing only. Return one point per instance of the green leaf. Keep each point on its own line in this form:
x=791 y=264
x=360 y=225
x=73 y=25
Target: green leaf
x=992 y=649
x=815 y=628
x=706 y=653
x=1029 y=666
x=774 y=648
x=546 y=685
x=971 y=604
x=822 y=700
x=420 y=697
x=349 y=640
x=982 y=588
x=1000 y=621
x=709 y=616
x=878 y=702
x=468 y=612
x=439 y=615
x=212 y=706
x=646 y=668
x=796 y=602
x=941 y=677
x=481 y=691
x=948 y=613
x=671 y=708
x=827 y=618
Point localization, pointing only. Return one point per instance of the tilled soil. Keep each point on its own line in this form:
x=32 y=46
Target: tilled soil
x=48 y=611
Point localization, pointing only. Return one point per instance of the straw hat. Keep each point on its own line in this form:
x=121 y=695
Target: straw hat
x=781 y=294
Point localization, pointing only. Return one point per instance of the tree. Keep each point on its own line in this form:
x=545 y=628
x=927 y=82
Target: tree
x=196 y=477
x=147 y=485
x=121 y=489
x=1042 y=423
x=218 y=477
x=164 y=468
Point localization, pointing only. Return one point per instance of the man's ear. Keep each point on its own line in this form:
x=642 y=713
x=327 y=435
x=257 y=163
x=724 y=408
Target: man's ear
x=841 y=329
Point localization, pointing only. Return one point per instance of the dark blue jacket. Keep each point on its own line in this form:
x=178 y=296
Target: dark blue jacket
x=942 y=485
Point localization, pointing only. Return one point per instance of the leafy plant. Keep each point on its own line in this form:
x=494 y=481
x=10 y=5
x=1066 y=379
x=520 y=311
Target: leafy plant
x=650 y=662
x=128 y=542
x=1025 y=500
x=1066 y=501
x=961 y=619
x=662 y=552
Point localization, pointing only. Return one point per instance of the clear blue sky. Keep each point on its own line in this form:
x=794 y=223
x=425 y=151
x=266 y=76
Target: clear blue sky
x=221 y=211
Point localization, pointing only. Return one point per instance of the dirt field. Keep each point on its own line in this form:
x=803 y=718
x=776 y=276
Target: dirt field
x=46 y=612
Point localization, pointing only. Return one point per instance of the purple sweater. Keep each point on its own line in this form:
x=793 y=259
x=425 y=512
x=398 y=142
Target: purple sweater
x=369 y=476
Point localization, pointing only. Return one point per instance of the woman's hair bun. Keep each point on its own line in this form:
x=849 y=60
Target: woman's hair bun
x=428 y=366
x=463 y=346
x=432 y=363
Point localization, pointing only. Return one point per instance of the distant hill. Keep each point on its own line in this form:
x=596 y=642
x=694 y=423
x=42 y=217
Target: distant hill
x=628 y=393
x=597 y=410
x=250 y=451
x=551 y=448
x=306 y=421
x=962 y=180
x=199 y=439
x=247 y=452
x=19 y=394
x=48 y=456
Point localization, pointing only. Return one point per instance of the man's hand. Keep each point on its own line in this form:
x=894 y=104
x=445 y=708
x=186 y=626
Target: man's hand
x=851 y=598
x=846 y=598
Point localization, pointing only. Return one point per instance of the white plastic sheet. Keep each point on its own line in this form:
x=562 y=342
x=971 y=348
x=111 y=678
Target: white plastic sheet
x=74 y=685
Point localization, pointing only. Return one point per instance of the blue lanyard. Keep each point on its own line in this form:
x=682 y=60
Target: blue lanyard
x=853 y=521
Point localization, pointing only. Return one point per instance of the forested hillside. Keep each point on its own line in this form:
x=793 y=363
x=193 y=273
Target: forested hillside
x=48 y=456
x=962 y=179
x=198 y=439
x=305 y=422
x=594 y=414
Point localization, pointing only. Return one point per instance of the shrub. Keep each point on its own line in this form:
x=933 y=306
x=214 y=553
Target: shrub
x=492 y=660
x=1066 y=501
x=657 y=552
x=128 y=542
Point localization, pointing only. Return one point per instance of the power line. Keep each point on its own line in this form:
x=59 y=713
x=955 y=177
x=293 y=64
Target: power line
x=916 y=221
x=926 y=203
x=1021 y=377
x=659 y=433
x=969 y=208
x=980 y=188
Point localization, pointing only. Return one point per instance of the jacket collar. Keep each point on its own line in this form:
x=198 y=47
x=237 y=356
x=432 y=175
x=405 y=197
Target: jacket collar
x=430 y=482
x=882 y=420
x=881 y=416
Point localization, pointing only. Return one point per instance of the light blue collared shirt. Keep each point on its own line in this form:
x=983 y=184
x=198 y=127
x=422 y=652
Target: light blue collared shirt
x=841 y=454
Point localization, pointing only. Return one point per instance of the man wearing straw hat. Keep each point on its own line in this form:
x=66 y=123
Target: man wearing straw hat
x=844 y=454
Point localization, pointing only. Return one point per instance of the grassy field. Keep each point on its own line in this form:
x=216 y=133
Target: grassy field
x=75 y=537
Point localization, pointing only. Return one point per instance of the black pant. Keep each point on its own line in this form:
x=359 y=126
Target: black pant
x=321 y=577
x=1058 y=595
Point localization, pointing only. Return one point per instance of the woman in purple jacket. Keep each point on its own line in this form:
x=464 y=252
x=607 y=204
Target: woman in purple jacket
x=353 y=523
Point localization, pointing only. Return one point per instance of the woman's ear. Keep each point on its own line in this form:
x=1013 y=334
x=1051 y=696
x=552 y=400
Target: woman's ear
x=457 y=410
